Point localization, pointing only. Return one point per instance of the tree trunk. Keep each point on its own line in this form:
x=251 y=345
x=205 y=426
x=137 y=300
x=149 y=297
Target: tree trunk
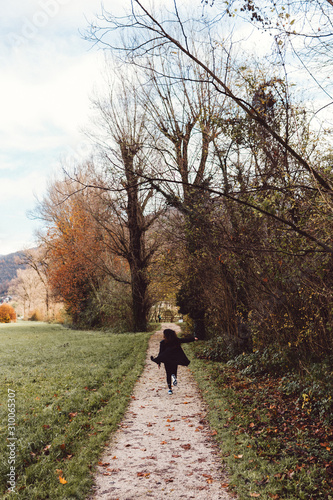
x=136 y=257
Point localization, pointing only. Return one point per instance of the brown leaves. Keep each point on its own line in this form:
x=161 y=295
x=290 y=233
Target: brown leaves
x=209 y=478
x=186 y=446
x=143 y=474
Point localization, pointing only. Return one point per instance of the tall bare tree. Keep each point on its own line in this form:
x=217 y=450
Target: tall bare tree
x=122 y=143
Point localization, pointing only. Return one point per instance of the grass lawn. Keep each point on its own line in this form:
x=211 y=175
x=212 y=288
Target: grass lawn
x=274 y=447
x=67 y=391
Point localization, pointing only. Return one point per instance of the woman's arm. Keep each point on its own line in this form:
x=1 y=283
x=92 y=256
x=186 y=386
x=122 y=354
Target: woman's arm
x=186 y=340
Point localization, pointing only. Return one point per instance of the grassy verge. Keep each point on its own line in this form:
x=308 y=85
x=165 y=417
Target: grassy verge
x=272 y=445
x=71 y=391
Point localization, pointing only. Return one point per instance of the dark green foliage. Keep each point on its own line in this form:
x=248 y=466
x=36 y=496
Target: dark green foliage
x=275 y=434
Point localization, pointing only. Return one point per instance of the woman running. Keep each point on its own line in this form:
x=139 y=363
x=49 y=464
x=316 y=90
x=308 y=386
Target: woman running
x=172 y=355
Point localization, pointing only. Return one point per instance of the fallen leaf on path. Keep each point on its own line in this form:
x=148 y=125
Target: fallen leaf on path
x=143 y=474
x=176 y=456
x=186 y=446
x=168 y=480
x=163 y=442
x=103 y=464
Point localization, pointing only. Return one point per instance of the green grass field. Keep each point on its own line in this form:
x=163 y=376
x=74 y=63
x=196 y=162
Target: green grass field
x=67 y=391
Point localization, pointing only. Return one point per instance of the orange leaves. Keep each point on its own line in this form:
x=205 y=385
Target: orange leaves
x=60 y=473
x=7 y=313
x=74 y=245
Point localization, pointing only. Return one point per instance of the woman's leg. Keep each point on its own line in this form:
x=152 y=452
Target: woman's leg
x=168 y=369
x=171 y=369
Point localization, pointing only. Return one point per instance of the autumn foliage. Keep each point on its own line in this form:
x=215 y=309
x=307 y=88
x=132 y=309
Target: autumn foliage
x=79 y=263
x=7 y=313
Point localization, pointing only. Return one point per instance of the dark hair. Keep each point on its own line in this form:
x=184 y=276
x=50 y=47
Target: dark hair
x=170 y=336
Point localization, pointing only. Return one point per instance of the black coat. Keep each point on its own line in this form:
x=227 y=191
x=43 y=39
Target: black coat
x=173 y=353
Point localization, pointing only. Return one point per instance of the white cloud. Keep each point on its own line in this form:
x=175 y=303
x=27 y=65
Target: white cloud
x=45 y=95
x=22 y=188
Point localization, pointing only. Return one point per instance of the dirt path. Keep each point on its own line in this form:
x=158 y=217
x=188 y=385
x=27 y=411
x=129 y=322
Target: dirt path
x=163 y=447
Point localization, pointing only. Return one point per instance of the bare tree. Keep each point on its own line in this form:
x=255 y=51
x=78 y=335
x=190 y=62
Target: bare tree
x=148 y=31
x=144 y=32
x=128 y=204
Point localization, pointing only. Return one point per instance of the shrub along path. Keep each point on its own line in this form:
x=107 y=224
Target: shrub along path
x=163 y=447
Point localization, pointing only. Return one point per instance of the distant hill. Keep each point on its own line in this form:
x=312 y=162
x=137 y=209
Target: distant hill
x=9 y=264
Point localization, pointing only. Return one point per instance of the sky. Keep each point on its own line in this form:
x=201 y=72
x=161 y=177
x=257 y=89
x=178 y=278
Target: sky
x=48 y=75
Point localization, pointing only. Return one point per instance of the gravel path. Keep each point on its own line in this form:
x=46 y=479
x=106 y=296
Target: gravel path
x=163 y=448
